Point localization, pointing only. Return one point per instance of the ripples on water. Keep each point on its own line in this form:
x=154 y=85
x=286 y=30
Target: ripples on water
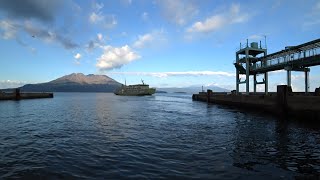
x=88 y=135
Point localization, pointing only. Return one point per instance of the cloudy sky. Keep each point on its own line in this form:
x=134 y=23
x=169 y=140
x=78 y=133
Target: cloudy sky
x=168 y=43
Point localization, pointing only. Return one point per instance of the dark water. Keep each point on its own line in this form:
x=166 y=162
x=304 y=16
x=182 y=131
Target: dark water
x=88 y=135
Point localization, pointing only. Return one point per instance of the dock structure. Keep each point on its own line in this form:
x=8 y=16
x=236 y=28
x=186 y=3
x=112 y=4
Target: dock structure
x=284 y=102
x=248 y=55
x=15 y=94
x=253 y=60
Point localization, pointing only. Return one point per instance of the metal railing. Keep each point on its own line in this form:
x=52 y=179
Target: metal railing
x=285 y=58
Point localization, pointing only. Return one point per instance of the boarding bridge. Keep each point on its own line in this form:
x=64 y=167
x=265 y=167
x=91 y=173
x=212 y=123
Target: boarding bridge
x=253 y=60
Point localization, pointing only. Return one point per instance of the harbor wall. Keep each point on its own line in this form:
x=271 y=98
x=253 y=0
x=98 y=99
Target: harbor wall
x=17 y=95
x=284 y=102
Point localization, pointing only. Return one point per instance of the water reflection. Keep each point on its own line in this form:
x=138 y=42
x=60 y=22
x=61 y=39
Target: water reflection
x=112 y=117
x=279 y=146
x=164 y=136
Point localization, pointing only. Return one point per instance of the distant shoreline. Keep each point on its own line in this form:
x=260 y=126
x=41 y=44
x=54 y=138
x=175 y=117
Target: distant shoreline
x=161 y=91
x=181 y=92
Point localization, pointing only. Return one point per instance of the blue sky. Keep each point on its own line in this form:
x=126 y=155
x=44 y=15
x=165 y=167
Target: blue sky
x=168 y=43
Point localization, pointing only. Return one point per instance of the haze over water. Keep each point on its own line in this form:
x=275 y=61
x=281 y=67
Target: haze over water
x=100 y=135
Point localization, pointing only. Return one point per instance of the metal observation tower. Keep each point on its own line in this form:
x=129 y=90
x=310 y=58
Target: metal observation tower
x=253 y=60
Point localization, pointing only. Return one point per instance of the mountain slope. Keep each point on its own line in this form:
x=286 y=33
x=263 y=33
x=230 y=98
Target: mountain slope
x=76 y=82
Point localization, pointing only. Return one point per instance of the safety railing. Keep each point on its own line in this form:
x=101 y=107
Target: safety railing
x=285 y=58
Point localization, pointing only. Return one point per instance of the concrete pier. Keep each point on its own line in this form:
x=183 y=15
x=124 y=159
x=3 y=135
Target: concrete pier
x=284 y=102
x=17 y=95
x=252 y=60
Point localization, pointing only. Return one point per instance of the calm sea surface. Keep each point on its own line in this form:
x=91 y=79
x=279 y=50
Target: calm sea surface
x=100 y=135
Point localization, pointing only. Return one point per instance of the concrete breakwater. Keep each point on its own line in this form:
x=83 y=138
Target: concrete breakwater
x=17 y=95
x=283 y=102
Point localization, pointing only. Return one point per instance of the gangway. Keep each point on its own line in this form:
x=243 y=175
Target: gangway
x=292 y=58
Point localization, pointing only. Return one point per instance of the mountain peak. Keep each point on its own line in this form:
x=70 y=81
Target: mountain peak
x=76 y=82
x=80 y=78
x=75 y=74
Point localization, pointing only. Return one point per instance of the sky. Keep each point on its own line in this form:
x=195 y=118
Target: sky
x=167 y=43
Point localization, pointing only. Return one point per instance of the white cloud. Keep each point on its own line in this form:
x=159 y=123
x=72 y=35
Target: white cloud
x=9 y=29
x=255 y=37
x=178 y=11
x=297 y=77
x=276 y=72
x=97 y=17
x=219 y=21
x=97 y=42
x=145 y=16
x=210 y=24
x=313 y=16
x=181 y=73
x=126 y=2
x=77 y=56
x=48 y=35
x=110 y=21
x=106 y=21
x=97 y=6
x=77 y=62
x=100 y=37
x=124 y=33
x=150 y=39
x=142 y=40
x=77 y=59
x=12 y=28
x=116 y=57
x=11 y=84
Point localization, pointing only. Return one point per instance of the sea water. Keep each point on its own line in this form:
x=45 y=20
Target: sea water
x=100 y=135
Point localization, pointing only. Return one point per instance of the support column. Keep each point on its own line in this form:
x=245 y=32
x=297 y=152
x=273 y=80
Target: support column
x=266 y=83
x=237 y=73
x=17 y=94
x=265 y=74
x=237 y=81
x=255 y=83
x=306 y=74
x=247 y=72
x=288 y=77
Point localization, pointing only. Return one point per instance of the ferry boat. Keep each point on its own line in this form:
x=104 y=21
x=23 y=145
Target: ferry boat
x=135 y=90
